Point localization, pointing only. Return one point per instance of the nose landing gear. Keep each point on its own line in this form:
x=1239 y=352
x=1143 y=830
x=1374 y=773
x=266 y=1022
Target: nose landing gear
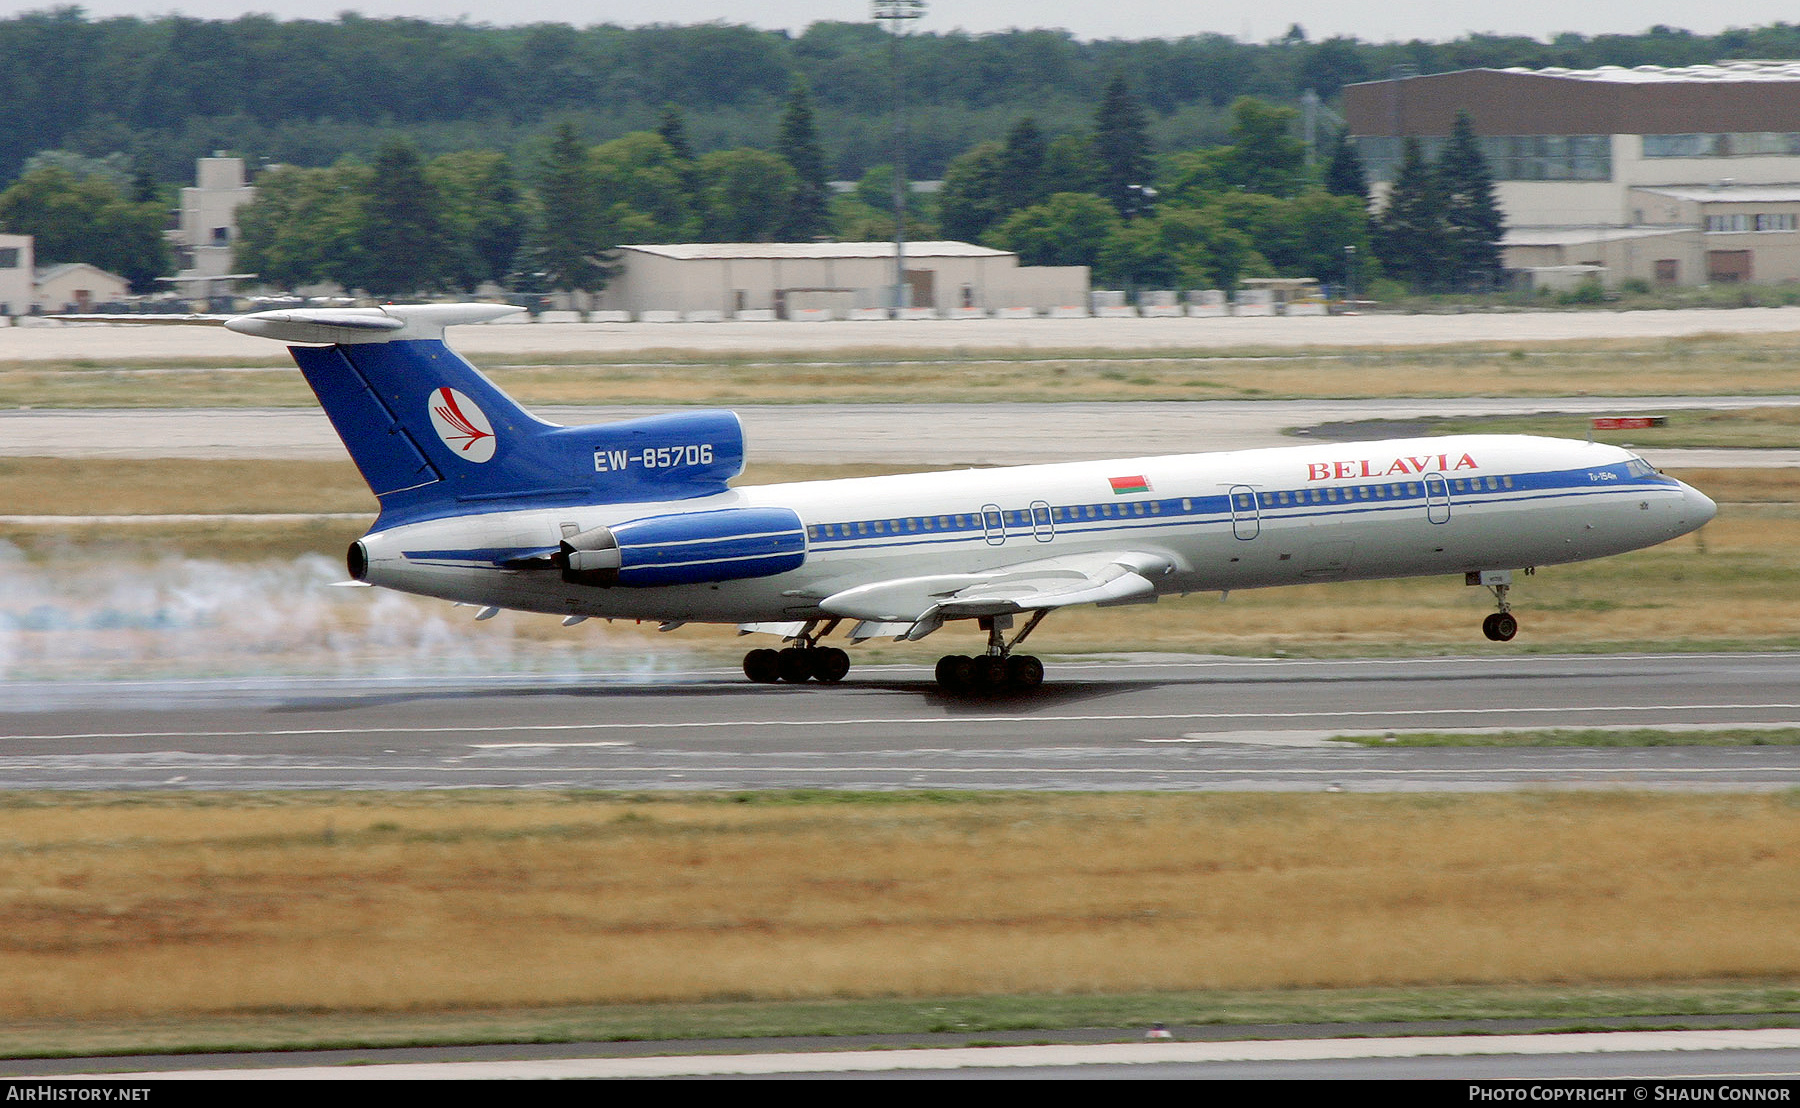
x=1502 y=625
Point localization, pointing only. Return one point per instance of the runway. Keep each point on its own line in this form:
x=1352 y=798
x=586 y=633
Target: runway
x=1150 y=723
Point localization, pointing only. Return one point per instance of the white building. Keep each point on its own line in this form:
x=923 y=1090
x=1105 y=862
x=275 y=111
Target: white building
x=1675 y=175
x=795 y=280
x=77 y=287
x=206 y=231
x=16 y=275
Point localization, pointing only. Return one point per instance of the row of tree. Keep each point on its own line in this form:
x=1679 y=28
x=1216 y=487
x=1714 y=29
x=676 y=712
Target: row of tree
x=169 y=89
x=404 y=224
x=1101 y=198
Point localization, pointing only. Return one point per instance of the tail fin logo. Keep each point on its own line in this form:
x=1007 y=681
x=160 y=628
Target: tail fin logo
x=462 y=425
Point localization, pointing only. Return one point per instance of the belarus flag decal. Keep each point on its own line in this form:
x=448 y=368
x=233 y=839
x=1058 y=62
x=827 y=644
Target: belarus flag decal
x=1122 y=486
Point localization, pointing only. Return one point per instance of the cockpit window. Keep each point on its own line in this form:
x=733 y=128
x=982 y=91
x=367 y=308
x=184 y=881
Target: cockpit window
x=1638 y=467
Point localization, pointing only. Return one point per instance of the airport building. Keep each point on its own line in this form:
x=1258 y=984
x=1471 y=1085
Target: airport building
x=832 y=280
x=1670 y=175
x=206 y=231
x=77 y=287
x=16 y=275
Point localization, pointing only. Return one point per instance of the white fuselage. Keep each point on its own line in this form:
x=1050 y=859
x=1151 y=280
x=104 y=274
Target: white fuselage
x=1233 y=520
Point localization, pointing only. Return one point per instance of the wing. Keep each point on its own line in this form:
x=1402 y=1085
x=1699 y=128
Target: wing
x=921 y=604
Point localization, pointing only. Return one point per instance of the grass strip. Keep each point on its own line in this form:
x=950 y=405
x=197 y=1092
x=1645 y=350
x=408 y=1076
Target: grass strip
x=1573 y=1006
x=1597 y=736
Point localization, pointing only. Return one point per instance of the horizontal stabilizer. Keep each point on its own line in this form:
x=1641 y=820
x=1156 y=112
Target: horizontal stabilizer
x=363 y=325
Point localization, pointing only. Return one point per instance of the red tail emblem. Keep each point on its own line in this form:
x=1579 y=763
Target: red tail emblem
x=462 y=425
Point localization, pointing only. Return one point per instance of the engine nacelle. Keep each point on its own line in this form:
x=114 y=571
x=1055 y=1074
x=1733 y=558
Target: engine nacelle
x=691 y=548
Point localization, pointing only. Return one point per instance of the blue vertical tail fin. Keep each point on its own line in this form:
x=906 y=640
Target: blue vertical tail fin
x=434 y=437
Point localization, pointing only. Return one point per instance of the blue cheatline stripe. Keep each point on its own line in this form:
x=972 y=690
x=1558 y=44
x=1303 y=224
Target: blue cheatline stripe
x=842 y=535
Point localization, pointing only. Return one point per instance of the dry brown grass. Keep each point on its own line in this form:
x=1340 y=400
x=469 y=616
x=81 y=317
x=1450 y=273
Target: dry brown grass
x=1699 y=364
x=167 y=486
x=133 y=905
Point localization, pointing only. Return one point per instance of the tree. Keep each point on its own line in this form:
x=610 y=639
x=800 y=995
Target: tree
x=1180 y=248
x=1470 y=206
x=1122 y=149
x=304 y=225
x=745 y=195
x=569 y=239
x=406 y=245
x=88 y=219
x=1070 y=165
x=799 y=144
x=974 y=195
x=1412 y=235
x=1265 y=156
x=1345 y=175
x=641 y=184
x=1023 y=162
x=1070 y=228
x=483 y=211
x=673 y=129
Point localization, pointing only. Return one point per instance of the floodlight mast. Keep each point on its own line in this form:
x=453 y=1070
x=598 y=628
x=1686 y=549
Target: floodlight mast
x=896 y=13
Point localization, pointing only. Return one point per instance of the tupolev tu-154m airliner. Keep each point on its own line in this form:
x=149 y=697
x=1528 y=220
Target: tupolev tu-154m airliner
x=485 y=504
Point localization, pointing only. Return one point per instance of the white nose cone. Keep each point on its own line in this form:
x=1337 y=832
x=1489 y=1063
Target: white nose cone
x=1698 y=508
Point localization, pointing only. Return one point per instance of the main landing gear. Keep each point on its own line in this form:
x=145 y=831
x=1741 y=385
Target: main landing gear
x=999 y=670
x=805 y=661
x=797 y=664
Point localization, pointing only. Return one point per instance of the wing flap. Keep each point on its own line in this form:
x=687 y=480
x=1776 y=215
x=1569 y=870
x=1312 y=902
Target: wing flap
x=1108 y=576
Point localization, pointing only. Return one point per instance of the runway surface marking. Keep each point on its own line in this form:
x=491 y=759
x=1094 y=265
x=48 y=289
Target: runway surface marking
x=1001 y=1057
x=880 y=721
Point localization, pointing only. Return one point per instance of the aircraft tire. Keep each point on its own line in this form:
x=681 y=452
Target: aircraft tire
x=795 y=665
x=990 y=672
x=955 y=672
x=1024 y=671
x=763 y=666
x=1500 y=626
x=829 y=664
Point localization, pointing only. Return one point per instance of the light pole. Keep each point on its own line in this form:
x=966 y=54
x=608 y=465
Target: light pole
x=896 y=13
x=1349 y=276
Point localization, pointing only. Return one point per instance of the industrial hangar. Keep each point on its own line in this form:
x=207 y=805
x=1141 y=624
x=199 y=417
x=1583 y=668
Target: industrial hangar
x=1668 y=175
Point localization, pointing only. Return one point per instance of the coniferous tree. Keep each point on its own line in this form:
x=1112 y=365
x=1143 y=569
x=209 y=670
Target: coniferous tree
x=406 y=244
x=1345 y=175
x=1022 y=163
x=1470 y=207
x=1412 y=235
x=569 y=240
x=799 y=144
x=673 y=129
x=1122 y=149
